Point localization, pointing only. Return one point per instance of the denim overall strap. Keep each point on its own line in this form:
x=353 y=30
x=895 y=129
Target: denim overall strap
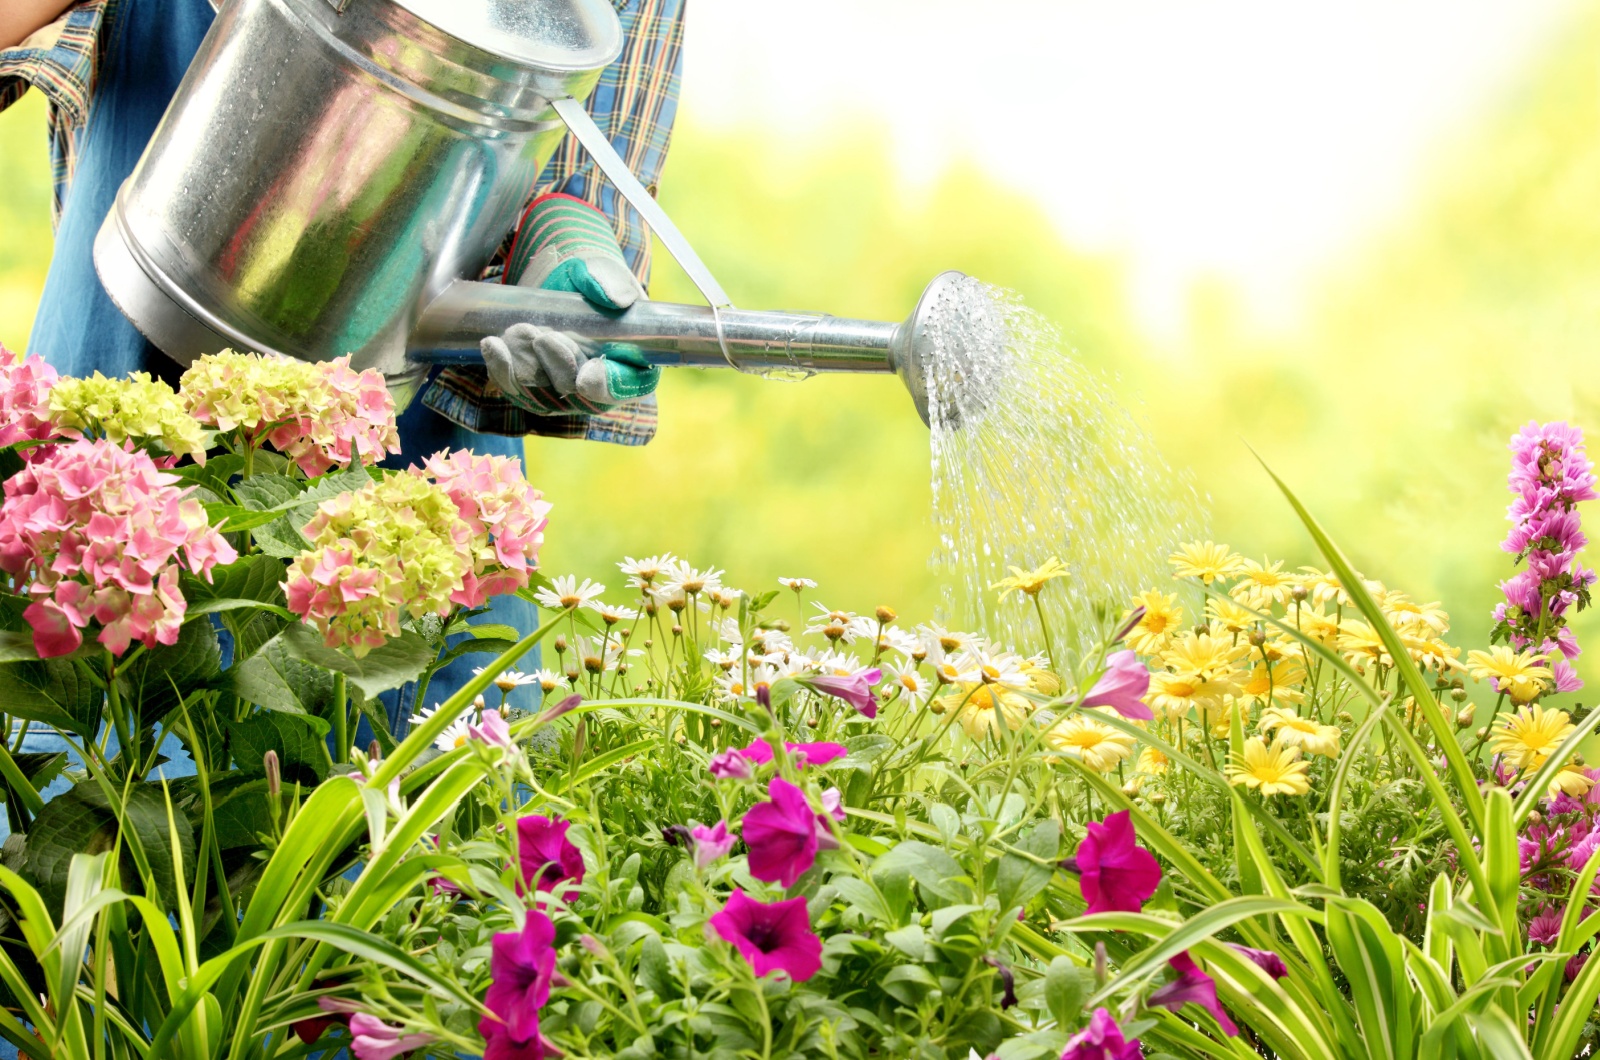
x=145 y=49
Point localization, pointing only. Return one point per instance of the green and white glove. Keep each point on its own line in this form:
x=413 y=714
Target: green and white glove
x=564 y=244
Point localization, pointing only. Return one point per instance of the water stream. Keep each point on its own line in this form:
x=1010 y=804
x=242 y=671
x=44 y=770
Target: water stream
x=1034 y=458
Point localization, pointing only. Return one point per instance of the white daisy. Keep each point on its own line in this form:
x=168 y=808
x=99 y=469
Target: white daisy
x=797 y=584
x=596 y=655
x=454 y=735
x=982 y=666
x=611 y=614
x=688 y=580
x=835 y=625
x=890 y=638
x=548 y=680
x=565 y=594
x=722 y=660
x=506 y=680
x=837 y=663
x=907 y=677
x=643 y=573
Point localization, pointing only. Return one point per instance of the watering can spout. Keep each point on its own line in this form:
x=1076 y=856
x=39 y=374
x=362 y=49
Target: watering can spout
x=670 y=334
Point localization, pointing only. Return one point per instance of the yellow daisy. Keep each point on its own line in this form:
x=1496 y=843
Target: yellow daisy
x=1527 y=737
x=1151 y=762
x=1162 y=615
x=985 y=708
x=1275 y=770
x=1219 y=716
x=1206 y=561
x=1305 y=733
x=1095 y=744
x=1404 y=614
x=1212 y=658
x=1277 y=682
x=1361 y=645
x=1571 y=779
x=1322 y=587
x=1229 y=615
x=1030 y=582
x=1516 y=673
x=1316 y=624
x=1173 y=695
x=1263 y=584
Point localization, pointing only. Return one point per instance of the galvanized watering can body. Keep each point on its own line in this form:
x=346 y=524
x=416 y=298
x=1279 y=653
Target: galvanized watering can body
x=322 y=174
x=331 y=174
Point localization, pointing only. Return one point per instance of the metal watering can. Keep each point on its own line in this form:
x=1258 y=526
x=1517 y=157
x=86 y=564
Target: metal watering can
x=329 y=171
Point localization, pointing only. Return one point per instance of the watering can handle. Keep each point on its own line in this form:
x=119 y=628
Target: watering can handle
x=605 y=156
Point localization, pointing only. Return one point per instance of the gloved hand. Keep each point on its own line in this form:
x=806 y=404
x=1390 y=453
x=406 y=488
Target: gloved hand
x=564 y=244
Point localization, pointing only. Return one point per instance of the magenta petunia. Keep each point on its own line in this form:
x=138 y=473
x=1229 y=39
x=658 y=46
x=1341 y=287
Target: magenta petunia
x=1115 y=874
x=1122 y=687
x=804 y=754
x=546 y=855
x=1192 y=985
x=710 y=843
x=772 y=936
x=521 y=965
x=781 y=834
x=1101 y=1040
x=373 y=1039
x=855 y=689
x=493 y=730
x=732 y=765
x=1266 y=960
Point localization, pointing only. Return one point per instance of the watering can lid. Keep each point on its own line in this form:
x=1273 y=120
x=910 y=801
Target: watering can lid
x=552 y=34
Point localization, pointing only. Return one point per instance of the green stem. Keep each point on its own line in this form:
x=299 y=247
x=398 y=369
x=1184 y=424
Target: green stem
x=341 y=720
x=114 y=704
x=1049 y=648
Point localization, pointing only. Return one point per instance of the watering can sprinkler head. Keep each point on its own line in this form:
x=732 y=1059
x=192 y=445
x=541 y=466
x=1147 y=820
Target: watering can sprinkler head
x=771 y=343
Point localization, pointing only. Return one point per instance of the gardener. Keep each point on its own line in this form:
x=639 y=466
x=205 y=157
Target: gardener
x=109 y=69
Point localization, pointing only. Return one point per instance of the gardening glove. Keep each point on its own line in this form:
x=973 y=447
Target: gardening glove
x=564 y=244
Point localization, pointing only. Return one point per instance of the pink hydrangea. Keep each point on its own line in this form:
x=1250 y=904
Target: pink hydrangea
x=507 y=517
x=353 y=417
x=96 y=534
x=24 y=398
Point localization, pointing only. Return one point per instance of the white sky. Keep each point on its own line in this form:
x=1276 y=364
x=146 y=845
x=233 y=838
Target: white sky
x=1251 y=140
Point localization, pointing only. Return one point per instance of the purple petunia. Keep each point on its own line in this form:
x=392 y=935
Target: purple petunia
x=772 y=936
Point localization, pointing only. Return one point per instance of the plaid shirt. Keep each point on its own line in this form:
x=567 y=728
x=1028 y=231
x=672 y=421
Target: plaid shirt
x=634 y=103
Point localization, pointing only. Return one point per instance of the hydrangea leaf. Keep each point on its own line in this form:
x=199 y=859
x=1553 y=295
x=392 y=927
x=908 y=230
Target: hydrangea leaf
x=297 y=739
x=274 y=678
x=390 y=665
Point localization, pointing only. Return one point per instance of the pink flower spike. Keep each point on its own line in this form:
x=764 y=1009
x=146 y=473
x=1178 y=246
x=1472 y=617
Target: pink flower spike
x=521 y=964
x=1192 y=985
x=1122 y=687
x=732 y=765
x=546 y=855
x=1115 y=874
x=1101 y=1040
x=781 y=834
x=494 y=731
x=374 y=1039
x=833 y=804
x=772 y=936
x=855 y=689
x=1266 y=960
x=710 y=843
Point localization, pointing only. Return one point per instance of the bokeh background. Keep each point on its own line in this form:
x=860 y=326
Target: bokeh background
x=1363 y=239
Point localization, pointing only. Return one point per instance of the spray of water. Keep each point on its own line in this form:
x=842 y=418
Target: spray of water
x=1033 y=458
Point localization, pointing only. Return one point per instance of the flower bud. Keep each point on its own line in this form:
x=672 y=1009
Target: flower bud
x=1458 y=683
x=1157 y=798
x=885 y=614
x=1346 y=718
x=1257 y=638
x=1482 y=734
x=1535 y=817
x=1298 y=593
x=479 y=704
x=593 y=945
x=677 y=630
x=561 y=643
x=274 y=776
x=1458 y=694
x=374 y=752
x=1467 y=716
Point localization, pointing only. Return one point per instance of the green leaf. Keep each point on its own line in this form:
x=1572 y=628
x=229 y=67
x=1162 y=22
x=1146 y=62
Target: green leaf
x=1018 y=879
x=82 y=821
x=16 y=646
x=275 y=679
x=297 y=738
x=390 y=665
x=214 y=474
x=253 y=578
x=909 y=983
x=1065 y=987
x=11 y=462
x=61 y=692
x=655 y=970
x=230 y=518
x=266 y=493
x=938 y=875
x=281 y=538
x=240 y=812
x=160 y=677
x=11 y=608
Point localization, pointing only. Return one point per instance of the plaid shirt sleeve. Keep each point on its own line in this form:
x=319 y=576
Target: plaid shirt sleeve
x=635 y=103
x=60 y=61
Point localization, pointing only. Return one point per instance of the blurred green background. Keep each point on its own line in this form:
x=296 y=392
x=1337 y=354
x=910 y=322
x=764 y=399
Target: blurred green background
x=1477 y=311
